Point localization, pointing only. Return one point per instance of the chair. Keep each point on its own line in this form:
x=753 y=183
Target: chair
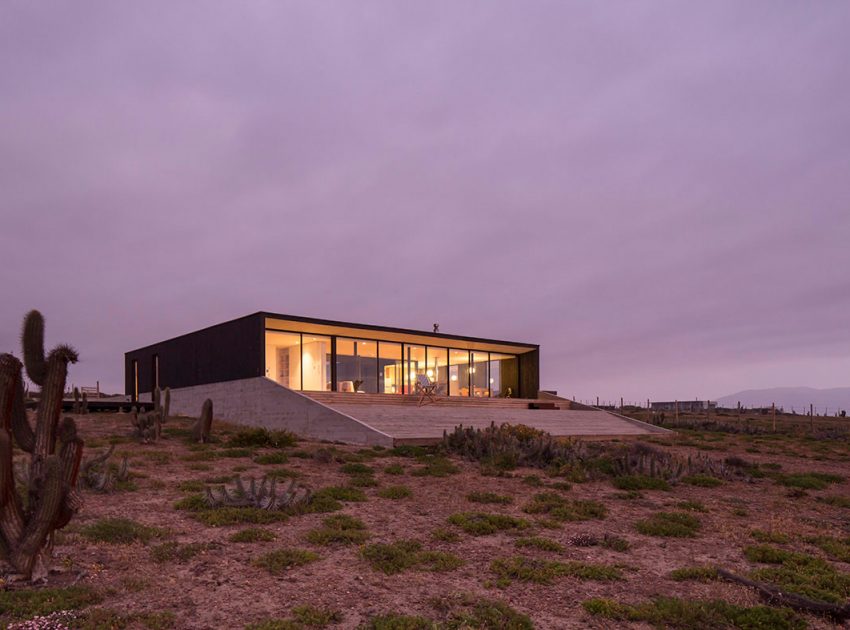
x=426 y=388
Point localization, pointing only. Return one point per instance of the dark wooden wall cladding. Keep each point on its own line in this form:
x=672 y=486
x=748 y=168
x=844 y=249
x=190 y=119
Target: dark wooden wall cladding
x=529 y=374
x=223 y=352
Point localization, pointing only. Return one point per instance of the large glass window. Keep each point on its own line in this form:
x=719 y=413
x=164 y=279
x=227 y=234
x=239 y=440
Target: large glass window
x=356 y=365
x=458 y=373
x=438 y=368
x=316 y=363
x=390 y=374
x=283 y=358
x=504 y=375
x=414 y=363
x=478 y=375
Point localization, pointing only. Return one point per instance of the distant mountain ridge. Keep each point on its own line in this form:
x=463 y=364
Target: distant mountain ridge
x=796 y=398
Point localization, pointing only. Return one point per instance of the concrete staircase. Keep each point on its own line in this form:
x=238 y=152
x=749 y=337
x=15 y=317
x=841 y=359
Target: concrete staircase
x=334 y=399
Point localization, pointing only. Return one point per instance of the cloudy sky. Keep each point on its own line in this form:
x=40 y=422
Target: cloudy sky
x=658 y=192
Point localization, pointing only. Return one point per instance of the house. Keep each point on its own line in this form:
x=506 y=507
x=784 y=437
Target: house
x=356 y=383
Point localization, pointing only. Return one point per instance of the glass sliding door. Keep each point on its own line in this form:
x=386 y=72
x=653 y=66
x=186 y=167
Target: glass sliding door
x=504 y=375
x=414 y=364
x=390 y=373
x=458 y=373
x=356 y=365
x=479 y=376
x=438 y=368
x=316 y=363
x=283 y=358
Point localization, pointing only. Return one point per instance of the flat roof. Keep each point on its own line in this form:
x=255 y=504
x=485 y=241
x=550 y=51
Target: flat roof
x=424 y=335
x=388 y=331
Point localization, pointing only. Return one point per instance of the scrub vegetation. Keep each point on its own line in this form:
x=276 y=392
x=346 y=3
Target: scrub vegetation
x=488 y=530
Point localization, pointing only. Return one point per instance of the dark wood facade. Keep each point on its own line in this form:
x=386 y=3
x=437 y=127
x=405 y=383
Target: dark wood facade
x=236 y=350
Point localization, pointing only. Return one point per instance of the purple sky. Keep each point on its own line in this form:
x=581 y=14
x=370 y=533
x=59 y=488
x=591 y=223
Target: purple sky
x=658 y=193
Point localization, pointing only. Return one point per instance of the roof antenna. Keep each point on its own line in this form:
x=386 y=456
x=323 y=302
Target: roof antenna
x=436 y=328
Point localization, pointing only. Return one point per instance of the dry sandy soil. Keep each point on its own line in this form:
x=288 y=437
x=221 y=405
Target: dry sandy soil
x=220 y=587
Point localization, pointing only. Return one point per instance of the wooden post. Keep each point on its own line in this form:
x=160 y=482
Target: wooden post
x=812 y=417
x=773 y=413
x=621 y=403
x=647 y=404
x=597 y=401
x=676 y=409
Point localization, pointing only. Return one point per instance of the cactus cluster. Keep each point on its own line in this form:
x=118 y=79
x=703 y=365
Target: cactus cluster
x=264 y=496
x=147 y=426
x=96 y=473
x=202 y=428
x=27 y=523
x=81 y=403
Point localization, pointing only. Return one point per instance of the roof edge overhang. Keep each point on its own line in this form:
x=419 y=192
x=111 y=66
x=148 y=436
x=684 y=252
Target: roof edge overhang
x=529 y=347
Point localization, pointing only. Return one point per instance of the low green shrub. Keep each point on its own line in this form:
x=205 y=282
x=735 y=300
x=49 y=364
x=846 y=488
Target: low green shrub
x=252 y=535
x=391 y=558
x=279 y=561
x=537 y=542
x=395 y=492
x=263 y=438
x=672 y=612
x=669 y=524
x=488 y=497
x=339 y=529
x=481 y=524
x=120 y=531
x=564 y=509
x=545 y=571
x=639 y=482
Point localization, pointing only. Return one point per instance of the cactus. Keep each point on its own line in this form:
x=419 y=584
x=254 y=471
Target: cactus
x=76 y=407
x=203 y=425
x=96 y=473
x=166 y=404
x=147 y=426
x=26 y=527
x=264 y=496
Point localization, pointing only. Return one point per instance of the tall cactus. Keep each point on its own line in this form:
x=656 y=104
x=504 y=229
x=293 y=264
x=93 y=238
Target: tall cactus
x=26 y=528
x=203 y=425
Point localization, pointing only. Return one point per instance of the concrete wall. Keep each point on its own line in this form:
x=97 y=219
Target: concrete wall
x=260 y=402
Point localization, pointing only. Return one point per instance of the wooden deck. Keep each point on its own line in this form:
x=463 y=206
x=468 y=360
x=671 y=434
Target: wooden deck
x=402 y=418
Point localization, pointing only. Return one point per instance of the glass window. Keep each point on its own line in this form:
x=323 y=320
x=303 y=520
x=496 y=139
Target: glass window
x=414 y=363
x=283 y=358
x=504 y=375
x=356 y=365
x=390 y=375
x=479 y=376
x=316 y=363
x=438 y=368
x=458 y=373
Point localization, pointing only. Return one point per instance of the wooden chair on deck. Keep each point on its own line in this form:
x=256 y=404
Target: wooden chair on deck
x=426 y=388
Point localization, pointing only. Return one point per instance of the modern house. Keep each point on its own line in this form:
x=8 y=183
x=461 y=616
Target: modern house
x=355 y=382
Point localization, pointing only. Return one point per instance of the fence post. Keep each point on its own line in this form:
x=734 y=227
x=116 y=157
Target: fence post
x=676 y=410
x=812 y=417
x=773 y=413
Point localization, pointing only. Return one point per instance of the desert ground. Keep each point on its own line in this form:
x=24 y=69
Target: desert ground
x=417 y=537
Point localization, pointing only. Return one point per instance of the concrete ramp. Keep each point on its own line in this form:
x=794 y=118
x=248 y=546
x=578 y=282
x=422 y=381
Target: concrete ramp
x=389 y=420
x=260 y=402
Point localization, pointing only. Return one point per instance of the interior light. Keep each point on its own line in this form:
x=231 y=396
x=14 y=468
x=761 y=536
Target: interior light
x=492 y=381
x=454 y=377
x=430 y=373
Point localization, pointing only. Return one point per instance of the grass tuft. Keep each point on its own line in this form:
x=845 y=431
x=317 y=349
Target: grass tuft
x=639 y=482
x=481 y=524
x=252 y=535
x=391 y=558
x=120 y=531
x=488 y=497
x=669 y=524
x=545 y=571
x=395 y=492
x=563 y=509
x=339 y=529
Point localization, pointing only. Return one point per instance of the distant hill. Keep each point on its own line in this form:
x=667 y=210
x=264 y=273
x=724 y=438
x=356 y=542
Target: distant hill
x=797 y=398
